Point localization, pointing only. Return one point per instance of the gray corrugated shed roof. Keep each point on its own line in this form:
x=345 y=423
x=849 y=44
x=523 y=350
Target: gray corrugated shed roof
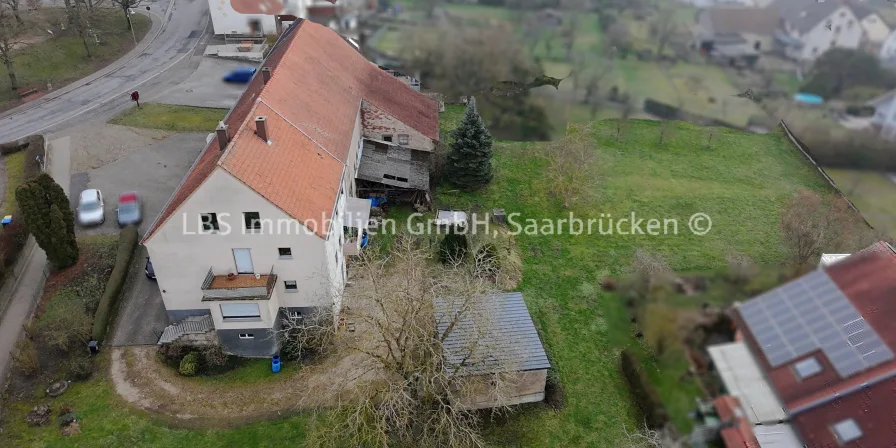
x=806 y=14
x=492 y=334
x=404 y=168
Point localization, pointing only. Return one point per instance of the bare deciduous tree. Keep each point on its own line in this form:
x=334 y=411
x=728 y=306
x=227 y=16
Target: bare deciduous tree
x=741 y=267
x=647 y=271
x=11 y=31
x=78 y=15
x=667 y=130
x=14 y=6
x=571 y=163
x=412 y=393
x=127 y=5
x=812 y=224
x=662 y=29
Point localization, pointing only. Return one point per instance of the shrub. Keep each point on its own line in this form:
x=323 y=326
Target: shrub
x=12 y=241
x=127 y=241
x=453 y=247
x=643 y=392
x=79 y=368
x=64 y=324
x=25 y=357
x=171 y=354
x=214 y=356
x=189 y=365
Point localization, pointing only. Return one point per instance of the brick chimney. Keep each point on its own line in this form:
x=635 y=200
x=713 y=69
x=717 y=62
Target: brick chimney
x=266 y=74
x=223 y=138
x=261 y=128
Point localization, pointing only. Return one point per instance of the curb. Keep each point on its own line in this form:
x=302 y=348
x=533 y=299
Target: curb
x=83 y=81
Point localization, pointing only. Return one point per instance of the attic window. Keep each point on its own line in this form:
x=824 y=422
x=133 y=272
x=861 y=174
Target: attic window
x=403 y=139
x=387 y=138
x=847 y=431
x=806 y=368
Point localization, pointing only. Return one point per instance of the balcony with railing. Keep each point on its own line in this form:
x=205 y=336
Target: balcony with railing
x=238 y=286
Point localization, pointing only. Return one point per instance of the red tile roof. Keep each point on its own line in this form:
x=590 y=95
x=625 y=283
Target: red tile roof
x=311 y=102
x=740 y=434
x=868 y=280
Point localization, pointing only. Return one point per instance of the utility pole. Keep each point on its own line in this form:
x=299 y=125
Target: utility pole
x=131 y=26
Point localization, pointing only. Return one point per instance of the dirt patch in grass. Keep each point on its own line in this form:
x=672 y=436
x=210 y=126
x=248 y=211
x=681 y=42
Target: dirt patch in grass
x=171 y=118
x=143 y=380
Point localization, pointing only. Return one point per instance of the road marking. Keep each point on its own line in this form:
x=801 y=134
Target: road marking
x=126 y=91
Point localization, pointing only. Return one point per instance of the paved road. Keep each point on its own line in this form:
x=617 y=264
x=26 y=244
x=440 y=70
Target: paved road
x=183 y=23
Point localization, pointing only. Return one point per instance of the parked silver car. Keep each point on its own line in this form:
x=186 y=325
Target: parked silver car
x=130 y=209
x=91 y=210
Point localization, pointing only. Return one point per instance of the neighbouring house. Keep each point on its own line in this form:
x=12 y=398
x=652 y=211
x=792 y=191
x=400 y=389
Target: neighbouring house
x=735 y=35
x=260 y=226
x=254 y=18
x=876 y=29
x=813 y=361
x=809 y=28
x=487 y=337
x=884 y=120
x=887 y=52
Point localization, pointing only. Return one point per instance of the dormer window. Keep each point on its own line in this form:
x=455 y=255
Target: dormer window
x=847 y=431
x=807 y=368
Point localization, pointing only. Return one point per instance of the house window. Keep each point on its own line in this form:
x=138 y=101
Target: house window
x=387 y=138
x=247 y=336
x=252 y=221
x=285 y=252
x=231 y=311
x=402 y=139
x=291 y=285
x=396 y=178
x=847 y=430
x=254 y=26
x=806 y=368
x=209 y=222
x=294 y=314
x=757 y=45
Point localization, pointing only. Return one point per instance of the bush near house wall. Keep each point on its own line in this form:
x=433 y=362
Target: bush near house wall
x=643 y=392
x=127 y=241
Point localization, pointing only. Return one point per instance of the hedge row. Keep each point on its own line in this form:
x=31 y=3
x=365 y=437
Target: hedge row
x=15 y=235
x=643 y=392
x=127 y=241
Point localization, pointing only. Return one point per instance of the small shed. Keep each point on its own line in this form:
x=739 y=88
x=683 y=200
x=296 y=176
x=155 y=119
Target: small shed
x=491 y=336
x=451 y=218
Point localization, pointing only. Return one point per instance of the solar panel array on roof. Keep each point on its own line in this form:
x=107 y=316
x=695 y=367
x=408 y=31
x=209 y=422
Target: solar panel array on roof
x=812 y=313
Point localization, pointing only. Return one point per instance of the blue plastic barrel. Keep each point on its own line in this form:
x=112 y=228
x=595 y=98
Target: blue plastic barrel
x=275 y=363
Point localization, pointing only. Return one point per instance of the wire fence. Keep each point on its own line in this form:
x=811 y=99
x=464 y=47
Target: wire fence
x=807 y=153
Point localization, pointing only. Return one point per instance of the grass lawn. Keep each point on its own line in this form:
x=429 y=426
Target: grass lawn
x=107 y=421
x=873 y=193
x=15 y=172
x=61 y=60
x=389 y=41
x=171 y=118
x=741 y=183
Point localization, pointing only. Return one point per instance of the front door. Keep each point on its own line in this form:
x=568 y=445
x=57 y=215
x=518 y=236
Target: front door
x=243 y=259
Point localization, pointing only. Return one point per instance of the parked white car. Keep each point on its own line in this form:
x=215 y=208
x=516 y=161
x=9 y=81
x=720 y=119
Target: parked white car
x=91 y=209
